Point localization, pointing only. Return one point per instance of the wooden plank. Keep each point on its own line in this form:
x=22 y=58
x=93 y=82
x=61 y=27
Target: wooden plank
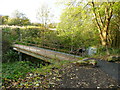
x=34 y=55
x=47 y=53
x=22 y=49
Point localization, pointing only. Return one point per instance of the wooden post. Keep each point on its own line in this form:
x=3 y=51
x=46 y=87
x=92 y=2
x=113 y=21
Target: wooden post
x=19 y=34
x=20 y=56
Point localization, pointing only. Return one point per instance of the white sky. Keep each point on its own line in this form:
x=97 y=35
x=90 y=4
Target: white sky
x=29 y=8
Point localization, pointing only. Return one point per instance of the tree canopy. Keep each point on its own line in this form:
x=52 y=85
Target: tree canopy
x=17 y=18
x=91 y=22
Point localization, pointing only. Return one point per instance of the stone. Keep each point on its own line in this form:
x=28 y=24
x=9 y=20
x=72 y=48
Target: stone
x=93 y=62
x=86 y=62
x=31 y=74
x=113 y=58
x=98 y=87
x=37 y=84
x=92 y=51
x=80 y=62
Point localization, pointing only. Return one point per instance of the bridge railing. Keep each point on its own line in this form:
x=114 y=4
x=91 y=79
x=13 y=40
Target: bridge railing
x=48 y=47
x=80 y=52
x=26 y=36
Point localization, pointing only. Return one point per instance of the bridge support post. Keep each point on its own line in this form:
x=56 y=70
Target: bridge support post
x=20 y=56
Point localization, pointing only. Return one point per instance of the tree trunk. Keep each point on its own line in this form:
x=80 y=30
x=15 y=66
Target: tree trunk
x=103 y=38
x=103 y=25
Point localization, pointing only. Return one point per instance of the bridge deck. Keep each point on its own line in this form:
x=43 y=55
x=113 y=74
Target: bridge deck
x=44 y=53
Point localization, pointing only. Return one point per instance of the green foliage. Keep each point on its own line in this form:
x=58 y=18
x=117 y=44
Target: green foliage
x=18 y=21
x=10 y=34
x=8 y=37
x=5 y=19
x=114 y=32
x=31 y=35
x=10 y=56
x=52 y=25
x=112 y=51
x=27 y=34
x=16 y=70
x=76 y=28
x=107 y=17
x=48 y=69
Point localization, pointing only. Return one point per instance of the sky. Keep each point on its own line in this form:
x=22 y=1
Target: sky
x=30 y=8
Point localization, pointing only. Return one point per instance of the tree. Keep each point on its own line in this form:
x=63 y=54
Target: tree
x=17 y=14
x=103 y=13
x=18 y=18
x=114 y=31
x=76 y=26
x=43 y=15
x=5 y=19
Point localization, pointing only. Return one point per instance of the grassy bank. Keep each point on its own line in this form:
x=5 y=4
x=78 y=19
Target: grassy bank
x=16 y=74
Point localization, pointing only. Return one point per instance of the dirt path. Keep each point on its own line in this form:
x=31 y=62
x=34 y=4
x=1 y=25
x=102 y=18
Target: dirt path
x=86 y=77
x=110 y=68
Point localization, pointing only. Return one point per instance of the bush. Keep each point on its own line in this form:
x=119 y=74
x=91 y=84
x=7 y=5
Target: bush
x=112 y=51
x=10 y=56
x=8 y=37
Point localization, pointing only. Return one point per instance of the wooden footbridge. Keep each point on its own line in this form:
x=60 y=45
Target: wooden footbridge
x=38 y=49
x=44 y=54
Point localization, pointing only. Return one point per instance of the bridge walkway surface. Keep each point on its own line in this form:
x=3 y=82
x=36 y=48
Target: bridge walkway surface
x=43 y=53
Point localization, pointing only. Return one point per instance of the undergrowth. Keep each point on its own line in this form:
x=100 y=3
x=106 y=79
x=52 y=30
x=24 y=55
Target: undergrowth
x=16 y=69
x=47 y=69
x=103 y=54
x=19 y=69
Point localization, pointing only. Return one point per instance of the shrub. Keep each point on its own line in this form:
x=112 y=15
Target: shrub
x=112 y=51
x=10 y=56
